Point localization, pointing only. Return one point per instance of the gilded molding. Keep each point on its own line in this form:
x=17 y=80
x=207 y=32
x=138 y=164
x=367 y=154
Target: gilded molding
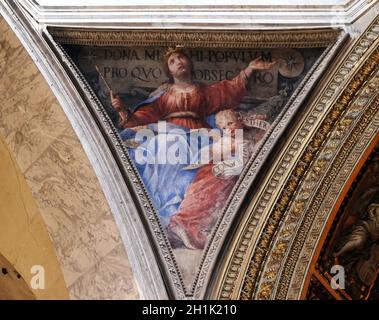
x=297 y=195
x=231 y=285
x=365 y=113
x=319 y=209
x=195 y=38
x=280 y=247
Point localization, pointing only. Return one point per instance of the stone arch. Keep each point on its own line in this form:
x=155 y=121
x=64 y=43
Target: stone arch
x=52 y=163
x=24 y=239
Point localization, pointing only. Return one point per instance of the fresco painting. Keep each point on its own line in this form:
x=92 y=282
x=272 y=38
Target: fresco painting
x=191 y=118
x=351 y=249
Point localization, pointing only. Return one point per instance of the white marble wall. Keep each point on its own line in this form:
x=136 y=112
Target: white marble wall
x=73 y=206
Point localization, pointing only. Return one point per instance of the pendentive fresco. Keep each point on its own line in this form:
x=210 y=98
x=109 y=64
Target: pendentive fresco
x=190 y=119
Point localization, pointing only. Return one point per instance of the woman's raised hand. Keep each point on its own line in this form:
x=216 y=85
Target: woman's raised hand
x=120 y=108
x=116 y=102
x=257 y=65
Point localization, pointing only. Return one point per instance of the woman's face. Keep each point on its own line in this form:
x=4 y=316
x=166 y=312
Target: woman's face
x=179 y=66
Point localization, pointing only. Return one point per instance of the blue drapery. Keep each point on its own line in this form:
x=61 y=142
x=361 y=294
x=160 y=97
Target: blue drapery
x=166 y=183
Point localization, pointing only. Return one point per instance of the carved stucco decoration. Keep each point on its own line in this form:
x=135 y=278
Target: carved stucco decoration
x=314 y=198
x=268 y=39
x=263 y=268
x=196 y=38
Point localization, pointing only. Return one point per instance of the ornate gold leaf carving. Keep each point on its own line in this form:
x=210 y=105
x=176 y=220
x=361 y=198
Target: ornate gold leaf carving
x=343 y=103
x=196 y=38
x=248 y=286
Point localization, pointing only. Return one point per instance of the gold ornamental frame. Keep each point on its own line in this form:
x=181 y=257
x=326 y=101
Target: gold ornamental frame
x=309 y=38
x=341 y=119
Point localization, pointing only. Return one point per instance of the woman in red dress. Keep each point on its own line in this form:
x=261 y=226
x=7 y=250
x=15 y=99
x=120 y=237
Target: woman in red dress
x=185 y=103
